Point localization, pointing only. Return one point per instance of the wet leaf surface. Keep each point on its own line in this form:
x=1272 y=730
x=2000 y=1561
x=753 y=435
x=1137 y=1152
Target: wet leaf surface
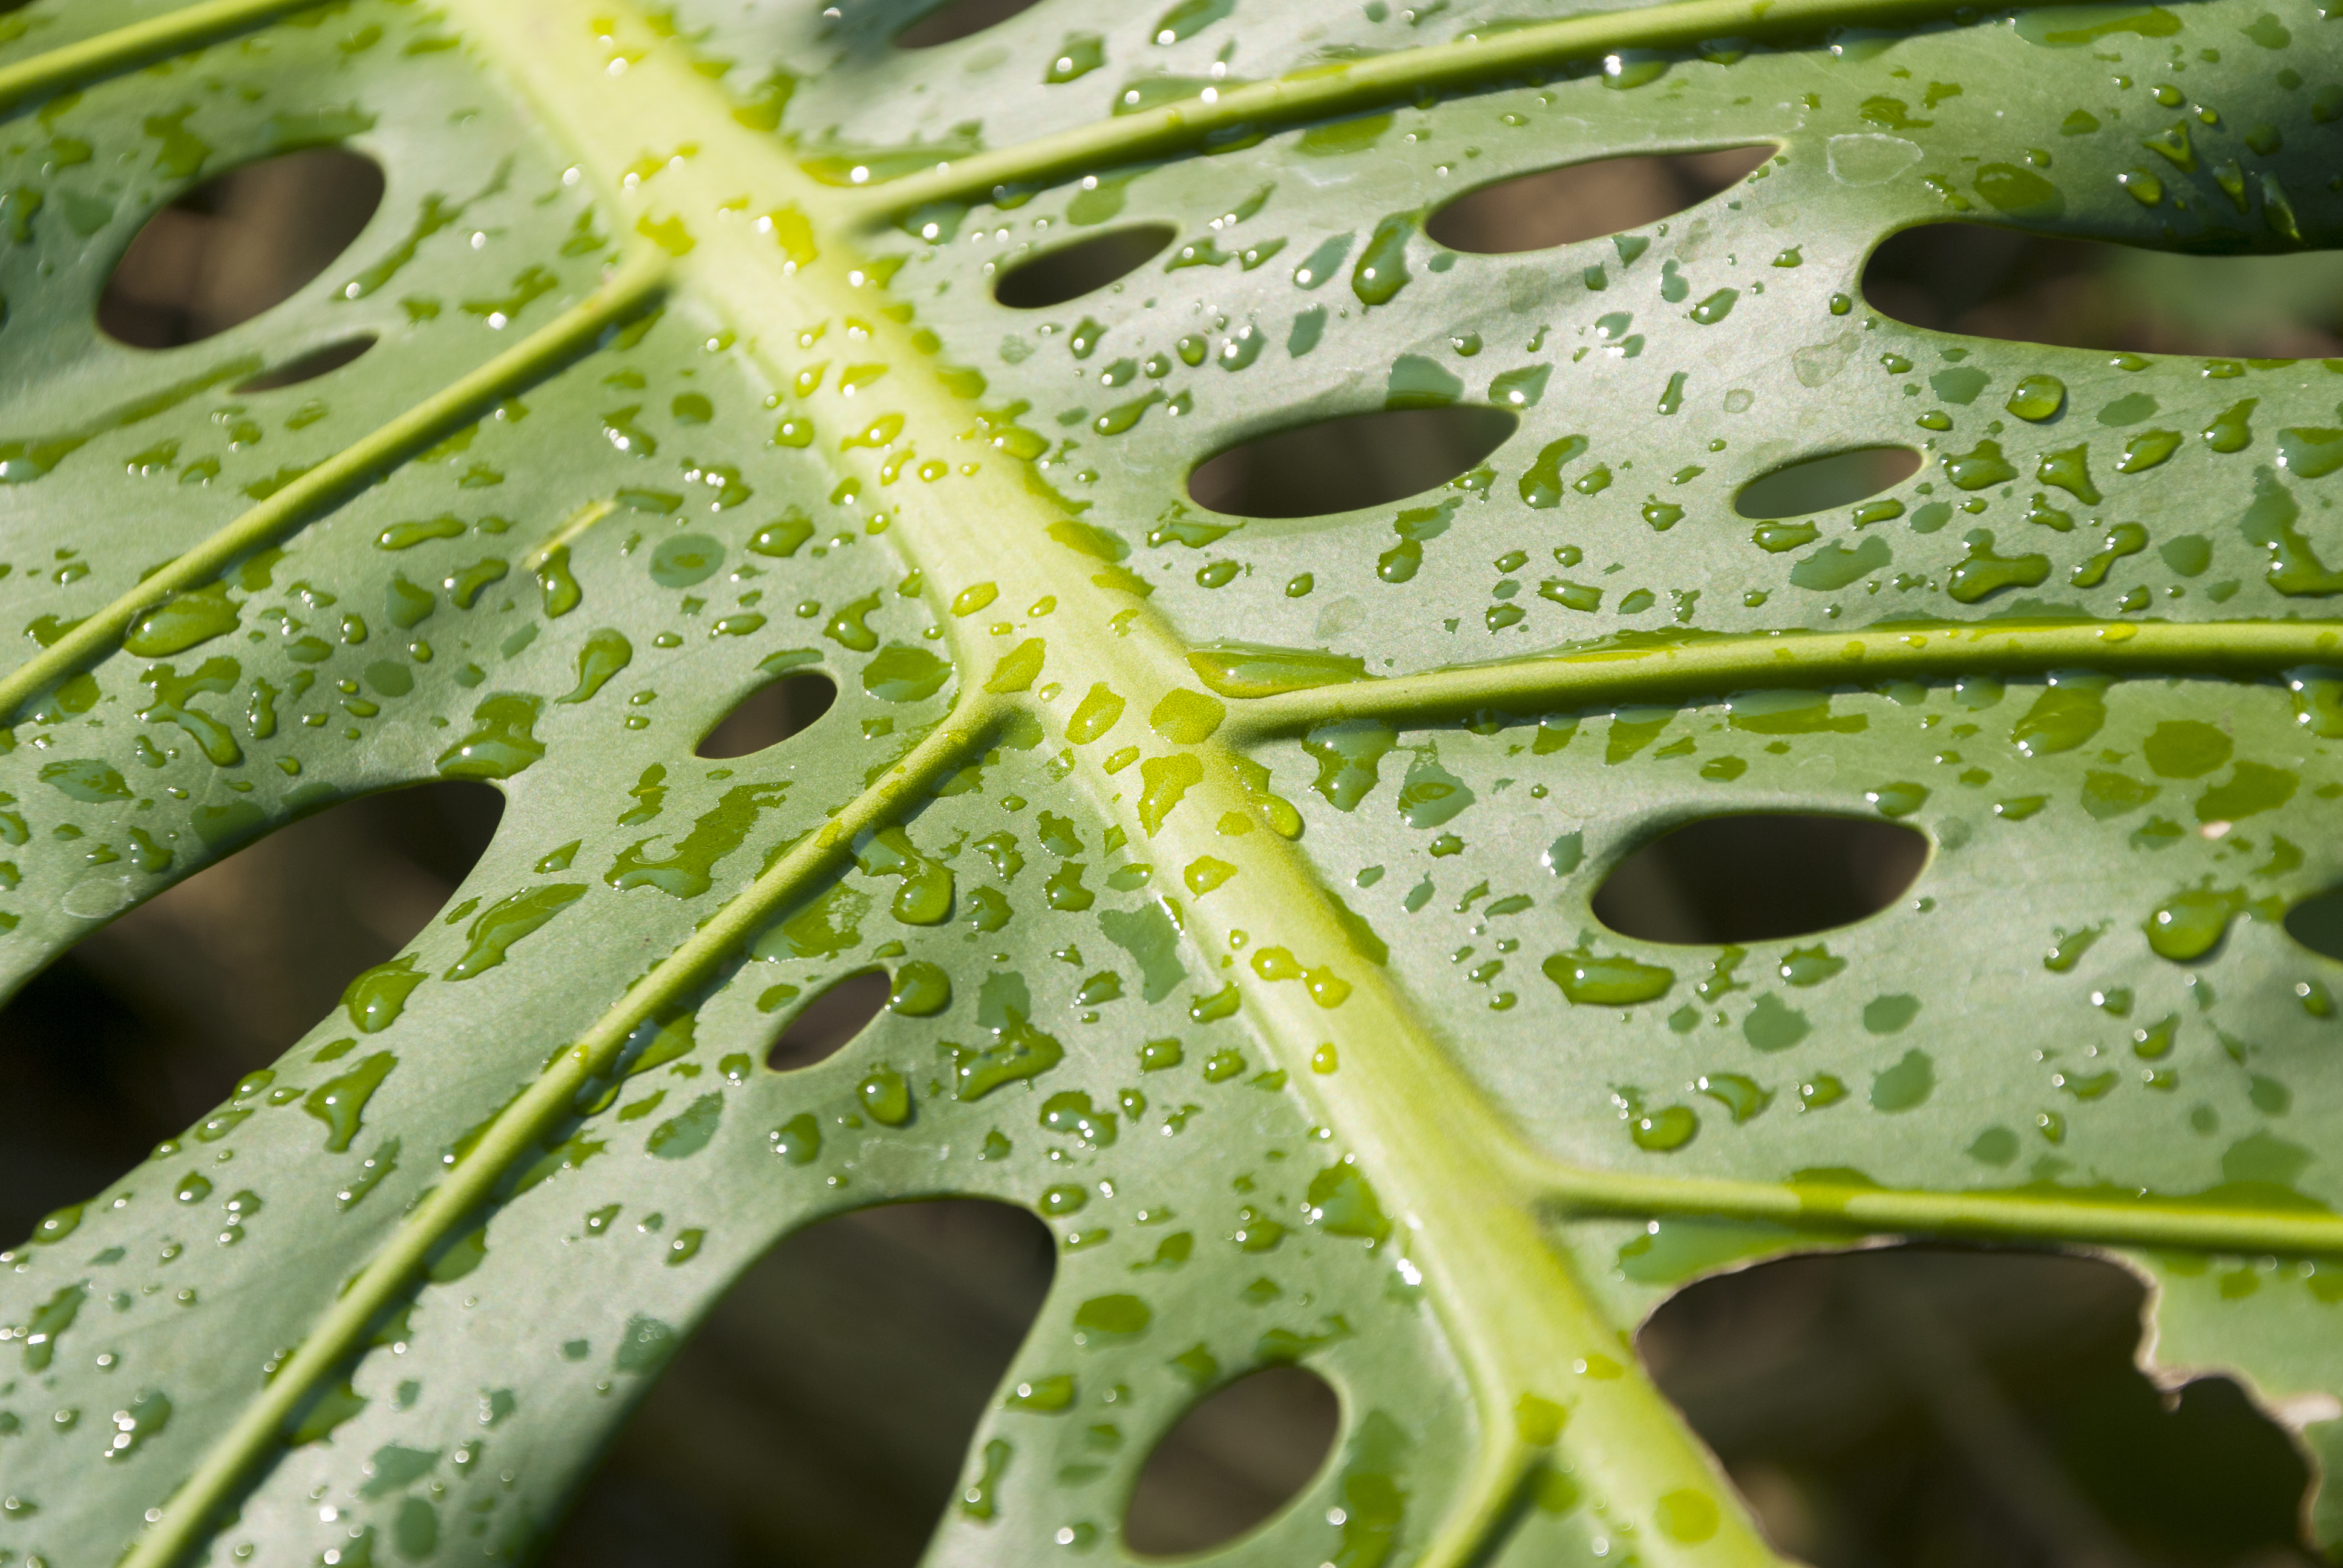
x=1233 y=868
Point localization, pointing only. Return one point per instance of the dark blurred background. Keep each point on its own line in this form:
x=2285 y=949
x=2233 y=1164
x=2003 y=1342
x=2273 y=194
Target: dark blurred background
x=1903 y=1406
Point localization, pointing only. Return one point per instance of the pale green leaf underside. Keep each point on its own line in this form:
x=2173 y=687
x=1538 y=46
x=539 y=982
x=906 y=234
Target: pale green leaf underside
x=1469 y=1219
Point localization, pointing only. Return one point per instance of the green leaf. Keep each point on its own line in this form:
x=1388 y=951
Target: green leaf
x=1246 y=872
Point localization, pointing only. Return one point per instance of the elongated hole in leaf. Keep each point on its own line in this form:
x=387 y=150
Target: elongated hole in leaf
x=822 y=1412
x=2317 y=923
x=1819 y=484
x=1985 y=281
x=1969 y=1408
x=769 y=715
x=1342 y=464
x=959 y=20
x=144 y=1029
x=237 y=243
x=824 y=1025
x=1069 y=271
x=1238 y=1456
x=1759 y=877
x=1586 y=201
x=309 y=367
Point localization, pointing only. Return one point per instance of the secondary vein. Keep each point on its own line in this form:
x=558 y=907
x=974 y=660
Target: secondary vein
x=520 y=1127
x=1716 y=665
x=69 y=65
x=631 y=286
x=2047 y=1215
x=1348 y=85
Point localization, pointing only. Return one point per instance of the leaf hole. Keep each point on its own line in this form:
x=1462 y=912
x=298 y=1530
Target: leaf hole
x=237 y=245
x=1967 y=1409
x=1234 y=1459
x=1342 y=464
x=820 y=1413
x=769 y=715
x=1069 y=271
x=147 y=1024
x=1820 y=484
x=960 y=19
x=1586 y=201
x=2317 y=923
x=1759 y=877
x=1984 y=281
x=823 y=1028
x=308 y=367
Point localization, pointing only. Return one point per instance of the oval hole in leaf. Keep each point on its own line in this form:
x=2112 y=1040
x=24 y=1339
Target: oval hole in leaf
x=1759 y=877
x=957 y=20
x=1819 y=484
x=820 y=1413
x=1985 y=281
x=769 y=715
x=237 y=245
x=1586 y=201
x=146 y=1024
x=2317 y=923
x=824 y=1025
x=1238 y=1456
x=1069 y=271
x=309 y=367
x=1984 y=1403
x=1342 y=464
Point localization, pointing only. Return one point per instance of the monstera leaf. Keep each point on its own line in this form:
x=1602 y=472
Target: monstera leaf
x=1232 y=862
